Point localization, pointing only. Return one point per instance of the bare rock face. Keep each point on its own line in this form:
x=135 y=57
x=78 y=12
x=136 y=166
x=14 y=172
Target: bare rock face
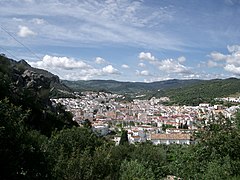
x=34 y=81
x=31 y=84
x=25 y=80
x=24 y=63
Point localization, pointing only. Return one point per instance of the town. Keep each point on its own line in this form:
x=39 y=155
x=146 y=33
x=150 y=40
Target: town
x=144 y=120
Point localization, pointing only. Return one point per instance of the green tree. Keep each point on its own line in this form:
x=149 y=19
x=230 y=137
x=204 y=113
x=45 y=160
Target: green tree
x=87 y=124
x=124 y=138
x=118 y=155
x=214 y=156
x=237 y=120
x=70 y=146
x=133 y=170
x=151 y=156
x=218 y=169
x=20 y=147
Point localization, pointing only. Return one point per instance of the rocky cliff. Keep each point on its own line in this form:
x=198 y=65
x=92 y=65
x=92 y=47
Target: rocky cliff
x=30 y=89
x=25 y=77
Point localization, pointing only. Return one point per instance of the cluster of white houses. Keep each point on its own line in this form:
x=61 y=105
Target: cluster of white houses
x=171 y=135
x=144 y=120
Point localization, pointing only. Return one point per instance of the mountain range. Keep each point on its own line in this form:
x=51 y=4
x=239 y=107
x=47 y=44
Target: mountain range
x=127 y=87
x=182 y=92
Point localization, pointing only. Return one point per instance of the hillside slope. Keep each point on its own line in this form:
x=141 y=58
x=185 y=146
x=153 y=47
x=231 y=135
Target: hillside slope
x=30 y=88
x=204 y=91
x=127 y=87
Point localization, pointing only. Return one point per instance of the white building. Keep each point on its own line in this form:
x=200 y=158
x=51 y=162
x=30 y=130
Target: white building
x=170 y=138
x=101 y=130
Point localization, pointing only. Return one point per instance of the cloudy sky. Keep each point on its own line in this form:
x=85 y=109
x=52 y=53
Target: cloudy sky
x=126 y=40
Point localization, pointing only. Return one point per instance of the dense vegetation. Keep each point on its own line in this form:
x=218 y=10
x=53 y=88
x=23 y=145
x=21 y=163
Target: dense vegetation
x=39 y=141
x=205 y=91
x=77 y=153
x=199 y=92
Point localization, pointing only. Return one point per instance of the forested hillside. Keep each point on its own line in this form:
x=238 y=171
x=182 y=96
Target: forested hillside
x=204 y=91
x=127 y=87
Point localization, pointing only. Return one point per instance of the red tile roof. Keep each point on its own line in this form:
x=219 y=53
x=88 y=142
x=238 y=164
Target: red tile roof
x=170 y=136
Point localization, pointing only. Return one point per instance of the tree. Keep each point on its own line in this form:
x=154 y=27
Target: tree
x=166 y=126
x=237 y=120
x=130 y=170
x=87 y=124
x=185 y=126
x=20 y=147
x=70 y=149
x=124 y=138
x=214 y=156
x=218 y=169
x=151 y=156
x=118 y=155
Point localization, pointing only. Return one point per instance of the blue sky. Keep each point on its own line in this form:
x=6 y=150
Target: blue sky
x=126 y=40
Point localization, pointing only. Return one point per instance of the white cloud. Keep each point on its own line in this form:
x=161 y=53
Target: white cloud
x=29 y=1
x=231 y=60
x=71 y=69
x=141 y=65
x=17 y=19
x=146 y=56
x=100 y=60
x=134 y=13
x=38 y=21
x=80 y=74
x=172 y=66
x=109 y=69
x=181 y=59
x=196 y=75
x=216 y=56
x=24 y=31
x=233 y=69
x=143 y=73
x=96 y=22
x=59 y=62
x=90 y=73
x=167 y=66
x=233 y=48
x=158 y=78
x=212 y=64
x=125 y=66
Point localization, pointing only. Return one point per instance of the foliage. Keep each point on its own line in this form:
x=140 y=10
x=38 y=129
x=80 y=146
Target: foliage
x=204 y=91
x=77 y=153
x=5 y=71
x=124 y=138
x=127 y=87
x=71 y=153
x=134 y=170
x=215 y=156
x=20 y=148
x=166 y=126
x=151 y=156
x=87 y=124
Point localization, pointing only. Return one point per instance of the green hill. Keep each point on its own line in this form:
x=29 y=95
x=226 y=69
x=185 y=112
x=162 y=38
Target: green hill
x=204 y=91
x=126 y=87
